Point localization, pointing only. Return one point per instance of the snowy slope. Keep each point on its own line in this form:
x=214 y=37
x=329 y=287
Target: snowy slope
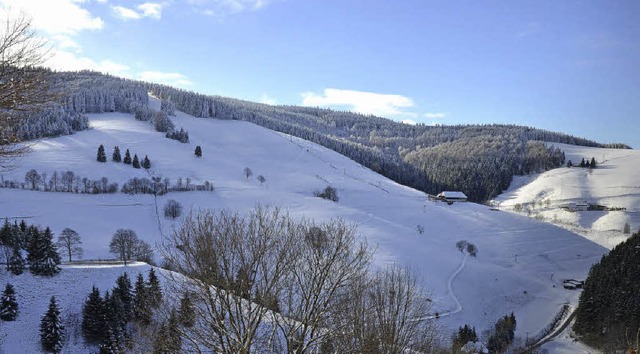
x=614 y=183
x=520 y=263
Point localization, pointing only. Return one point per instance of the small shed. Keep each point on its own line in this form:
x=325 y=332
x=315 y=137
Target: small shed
x=452 y=196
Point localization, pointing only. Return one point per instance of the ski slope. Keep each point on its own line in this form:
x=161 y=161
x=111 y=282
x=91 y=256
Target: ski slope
x=615 y=182
x=519 y=268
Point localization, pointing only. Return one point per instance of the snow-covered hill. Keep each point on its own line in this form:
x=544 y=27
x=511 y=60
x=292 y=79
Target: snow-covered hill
x=614 y=183
x=520 y=264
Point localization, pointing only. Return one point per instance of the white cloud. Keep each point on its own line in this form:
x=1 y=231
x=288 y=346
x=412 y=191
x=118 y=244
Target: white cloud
x=435 y=115
x=266 y=99
x=67 y=61
x=125 y=13
x=378 y=104
x=409 y=121
x=148 y=9
x=172 y=79
x=56 y=16
x=225 y=7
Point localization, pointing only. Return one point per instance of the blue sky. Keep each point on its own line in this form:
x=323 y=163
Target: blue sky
x=570 y=66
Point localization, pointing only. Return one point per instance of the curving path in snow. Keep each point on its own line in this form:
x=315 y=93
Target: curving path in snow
x=452 y=277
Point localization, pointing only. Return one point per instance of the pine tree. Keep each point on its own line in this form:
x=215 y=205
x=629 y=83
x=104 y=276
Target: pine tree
x=8 y=304
x=583 y=163
x=124 y=291
x=93 y=318
x=116 y=155
x=186 y=312
x=153 y=289
x=102 y=156
x=593 y=162
x=127 y=157
x=168 y=339
x=141 y=306
x=115 y=325
x=51 y=328
x=16 y=263
x=42 y=254
x=136 y=162
x=146 y=163
x=198 y=151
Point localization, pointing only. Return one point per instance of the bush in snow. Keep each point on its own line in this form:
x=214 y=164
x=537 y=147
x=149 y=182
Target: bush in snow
x=102 y=156
x=329 y=193
x=198 y=151
x=172 y=209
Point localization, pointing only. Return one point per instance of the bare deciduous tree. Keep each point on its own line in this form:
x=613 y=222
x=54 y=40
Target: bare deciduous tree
x=264 y=282
x=69 y=242
x=123 y=244
x=23 y=86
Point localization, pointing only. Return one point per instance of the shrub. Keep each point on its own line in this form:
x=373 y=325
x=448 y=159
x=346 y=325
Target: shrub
x=329 y=193
x=172 y=209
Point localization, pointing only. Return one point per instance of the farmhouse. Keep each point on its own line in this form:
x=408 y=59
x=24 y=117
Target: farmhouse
x=451 y=196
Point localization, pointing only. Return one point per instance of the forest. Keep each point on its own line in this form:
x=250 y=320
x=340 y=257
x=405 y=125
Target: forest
x=479 y=160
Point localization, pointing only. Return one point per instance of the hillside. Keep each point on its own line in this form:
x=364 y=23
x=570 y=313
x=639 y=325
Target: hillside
x=613 y=183
x=520 y=264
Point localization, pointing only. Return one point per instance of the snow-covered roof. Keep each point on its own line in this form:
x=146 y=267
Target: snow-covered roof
x=452 y=195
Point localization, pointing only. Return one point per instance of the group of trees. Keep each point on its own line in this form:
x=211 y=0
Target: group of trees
x=116 y=157
x=70 y=182
x=106 y=319
x=66 y=181
x=126 y=245
x=608 y=314
x=471 y=249
x=584 y=163
x=264 y=280
x=42 y=253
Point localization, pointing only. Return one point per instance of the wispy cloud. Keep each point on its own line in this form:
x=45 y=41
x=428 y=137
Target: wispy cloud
x=435 y=115
x=409 y=121
x=226 y=7
x=172 y=79
x=378 y=104
x=148 y=9
x=266 y=99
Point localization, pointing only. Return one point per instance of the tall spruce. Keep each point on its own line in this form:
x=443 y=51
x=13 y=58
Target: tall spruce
x=167 y=339
x=42 y=254
x=146 y=163
x=115 y=325
x=102 y=156
x=127 y=157
x=136 y=162
x=154 y=290
x=124 y=291
x=16 y=263
x=8 y=304
x=141 y=304
x=93 y=318
x=51 y=328
x=116 y=157
x=186 y=312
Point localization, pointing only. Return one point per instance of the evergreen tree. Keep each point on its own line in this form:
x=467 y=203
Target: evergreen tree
x=16 y=263
x=593 y=162
x=146 y=163
x=127 y=157
x=93 y=318
x=8 y=304
x=136 y=162
x=186 y=312
x=141 y=305
x=6 y=234
x=583 y=163
x=116 y=157
x=114 y=329
x=124 y=291
x=154 y=290
x=198 y=151
x=102 y=156
x=51 y=328
x=42 y=254
x=465 y=335
x=168 y=339
x=569 y=164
